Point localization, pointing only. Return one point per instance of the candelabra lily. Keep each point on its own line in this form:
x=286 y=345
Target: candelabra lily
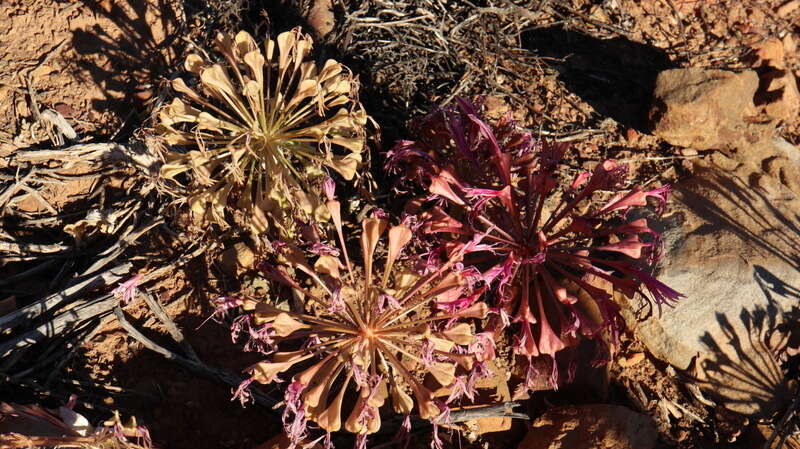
x=369 y=332
x=545 y=250
x=260 y=130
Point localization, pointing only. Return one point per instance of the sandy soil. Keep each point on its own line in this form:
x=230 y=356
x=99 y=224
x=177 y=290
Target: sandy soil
x=95 y=62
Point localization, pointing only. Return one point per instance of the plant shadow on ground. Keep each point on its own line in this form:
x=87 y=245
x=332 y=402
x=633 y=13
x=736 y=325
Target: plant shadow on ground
x=750 y=370
x=179 y=408
x=129 y=58
x=614 y=76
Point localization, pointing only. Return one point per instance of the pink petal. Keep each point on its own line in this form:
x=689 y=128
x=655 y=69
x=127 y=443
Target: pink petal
x=439 y=186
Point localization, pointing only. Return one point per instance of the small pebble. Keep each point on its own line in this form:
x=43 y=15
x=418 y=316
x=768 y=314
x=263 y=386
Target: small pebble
x=631 y=360
x=689 y=152
x=631 y=135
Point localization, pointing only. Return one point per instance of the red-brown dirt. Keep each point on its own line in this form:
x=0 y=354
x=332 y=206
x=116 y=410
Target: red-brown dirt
x=94 y=62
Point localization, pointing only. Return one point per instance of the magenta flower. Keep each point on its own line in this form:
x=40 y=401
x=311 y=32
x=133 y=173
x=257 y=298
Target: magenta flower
x=242 y=392
x=126 y=291
x=550 y=254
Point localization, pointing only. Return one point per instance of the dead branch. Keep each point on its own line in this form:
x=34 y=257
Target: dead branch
x=504 y=410
x=16 y=440
x=56 y=300
x=117 y=248
x=27 y=248
x=62 y=322
x=134 y=155
x=172 y=328
x=27 y=273
x=183 y=259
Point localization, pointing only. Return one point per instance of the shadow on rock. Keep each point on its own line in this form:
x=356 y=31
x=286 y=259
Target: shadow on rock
x=748 y=212
x=731 y=244
x=745 y=374
x=615 y=76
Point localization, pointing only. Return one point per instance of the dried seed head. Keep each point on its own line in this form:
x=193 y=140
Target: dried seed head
x=260 y=129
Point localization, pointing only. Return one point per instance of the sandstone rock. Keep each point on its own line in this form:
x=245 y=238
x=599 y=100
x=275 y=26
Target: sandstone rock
x=778 y=95
x=321 y=17
x=788 y=8
x=789 y=45
x=770 y=53
x=779 y=159
x=495 y=107
x=632 y=360
x=707 y=109
x=777 y=98
x=731 y=246
x=598 y=426
x=237 y=257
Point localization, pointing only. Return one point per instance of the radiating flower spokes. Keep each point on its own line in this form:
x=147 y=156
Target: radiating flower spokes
x=497 y=183
x=264 y=124
x=376 y=327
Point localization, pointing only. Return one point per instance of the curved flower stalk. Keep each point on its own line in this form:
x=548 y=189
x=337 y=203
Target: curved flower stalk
x=369 y=333
x=261 y=128
x=548 y=252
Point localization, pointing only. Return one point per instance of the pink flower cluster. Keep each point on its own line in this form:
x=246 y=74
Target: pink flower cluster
x=500 y=249
x=553 y=257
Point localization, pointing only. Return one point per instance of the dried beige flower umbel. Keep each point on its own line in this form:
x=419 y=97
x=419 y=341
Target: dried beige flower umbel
x=261 y=129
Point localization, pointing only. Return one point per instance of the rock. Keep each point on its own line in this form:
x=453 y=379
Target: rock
x=495 y=107
x=779 y=159
x=237 y=257
x=788 y=8
x=632 y=360
x=789 y=45
x=632 y=136
x=731 y=246
x=598 y=426
x=707 y=109
x=769 y=53
x=778 y=95
x=321 y=17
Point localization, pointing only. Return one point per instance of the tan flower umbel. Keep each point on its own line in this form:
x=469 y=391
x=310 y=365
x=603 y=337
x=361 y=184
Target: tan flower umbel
x=260 y=129
x=370 y=332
